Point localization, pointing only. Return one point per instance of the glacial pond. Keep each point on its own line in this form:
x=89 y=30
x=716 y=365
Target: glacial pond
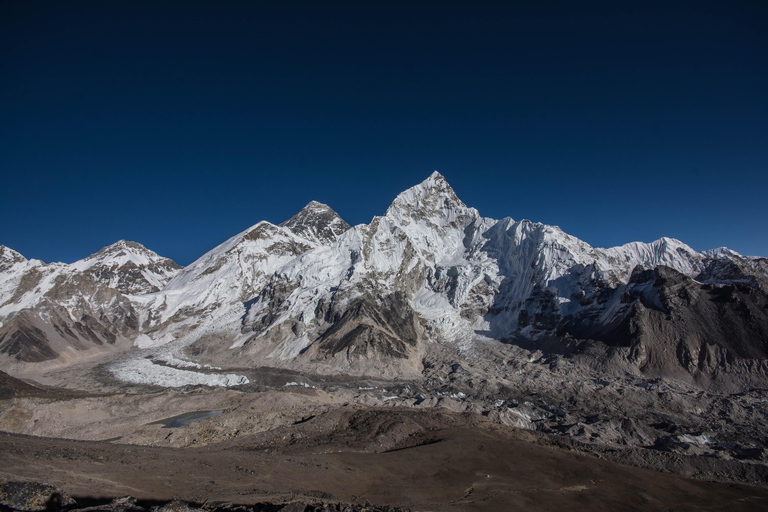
x=185 y=419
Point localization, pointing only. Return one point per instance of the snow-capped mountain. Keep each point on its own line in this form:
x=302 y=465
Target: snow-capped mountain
x=48 y=310
x=219 y=283
x=128 y=267
x=315 y=292
x=317 y=222
x=370 y=298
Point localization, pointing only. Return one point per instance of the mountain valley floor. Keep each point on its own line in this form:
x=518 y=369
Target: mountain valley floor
x=447 y=441
x=420 y=459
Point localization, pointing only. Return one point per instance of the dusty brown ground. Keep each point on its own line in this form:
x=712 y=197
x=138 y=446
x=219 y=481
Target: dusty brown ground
x=422 y=459
x=279 y=443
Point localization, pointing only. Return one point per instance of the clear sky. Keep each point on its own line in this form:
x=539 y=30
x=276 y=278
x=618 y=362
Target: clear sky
x=179 y=124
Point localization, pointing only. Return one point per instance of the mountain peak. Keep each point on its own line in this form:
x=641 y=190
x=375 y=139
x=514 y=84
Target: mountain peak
x=6 y=253
x=317 y=222
x=431 y=196
x=129 y=267
x=9 y=257
x=315 y=205
x=126 y=245
x=721 y=253
x=120 y=253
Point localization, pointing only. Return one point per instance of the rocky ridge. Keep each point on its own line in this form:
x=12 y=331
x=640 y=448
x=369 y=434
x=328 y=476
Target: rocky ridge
x=315 y=293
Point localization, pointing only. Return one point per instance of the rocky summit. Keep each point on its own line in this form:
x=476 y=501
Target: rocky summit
x=628 y=352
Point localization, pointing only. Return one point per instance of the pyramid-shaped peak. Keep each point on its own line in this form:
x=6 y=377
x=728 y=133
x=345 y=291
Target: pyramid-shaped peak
x=317 y=222
x=120 y=253
x=315 y=205
x=126 y=249
x=128 y=267
x=435 y=181
x=8 y=256
x=123 y=245
x=435 y=176
x=430 y=196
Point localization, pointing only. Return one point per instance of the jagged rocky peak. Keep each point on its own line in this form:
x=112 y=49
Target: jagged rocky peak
x=317 y=222
x=128 y=267
x=9 y=257
x=433 y=196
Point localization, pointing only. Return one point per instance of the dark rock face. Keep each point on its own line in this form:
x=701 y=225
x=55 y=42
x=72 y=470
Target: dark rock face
x=676 y=326
x=24 y=341
x=317 y=222
x=370 y=328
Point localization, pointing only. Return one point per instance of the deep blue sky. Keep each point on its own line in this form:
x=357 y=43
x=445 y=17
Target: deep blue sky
x=178 y=125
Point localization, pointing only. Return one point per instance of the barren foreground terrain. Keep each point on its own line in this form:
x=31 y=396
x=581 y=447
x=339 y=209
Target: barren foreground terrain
x=417 y=459
x=296 y=443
